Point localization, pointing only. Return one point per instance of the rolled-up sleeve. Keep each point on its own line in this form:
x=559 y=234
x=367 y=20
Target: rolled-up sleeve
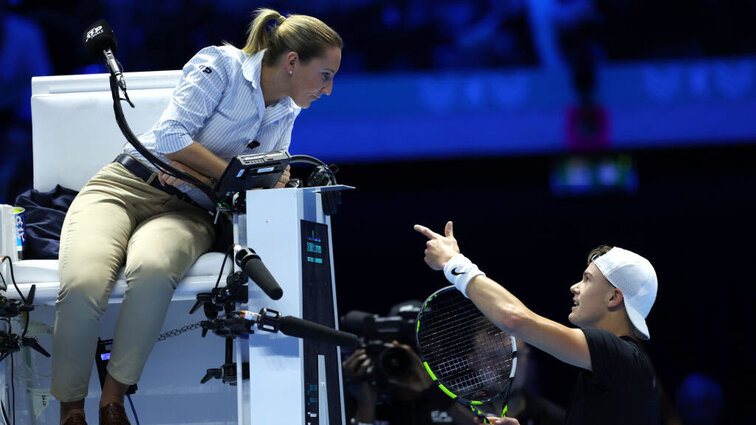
x=194 y=100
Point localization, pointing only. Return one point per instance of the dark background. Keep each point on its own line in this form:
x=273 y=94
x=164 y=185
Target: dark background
x=691 y=215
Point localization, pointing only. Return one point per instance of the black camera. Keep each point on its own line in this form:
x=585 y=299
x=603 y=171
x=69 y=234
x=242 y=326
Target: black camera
x=389 y=361
x=377 y=333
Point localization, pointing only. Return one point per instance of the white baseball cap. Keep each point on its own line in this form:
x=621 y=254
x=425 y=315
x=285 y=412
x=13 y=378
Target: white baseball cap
x=636 y=277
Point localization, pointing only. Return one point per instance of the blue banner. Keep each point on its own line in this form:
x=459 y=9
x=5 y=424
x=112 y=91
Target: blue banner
x=454 y=114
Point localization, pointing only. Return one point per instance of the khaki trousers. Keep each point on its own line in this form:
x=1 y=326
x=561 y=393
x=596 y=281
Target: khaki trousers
x=117 y=219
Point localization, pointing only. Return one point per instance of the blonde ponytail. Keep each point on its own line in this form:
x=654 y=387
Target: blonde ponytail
x=307 y=36
x=258 y=34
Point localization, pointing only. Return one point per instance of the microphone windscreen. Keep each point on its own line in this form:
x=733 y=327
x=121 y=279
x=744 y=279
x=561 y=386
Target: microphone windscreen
x=294 y=326
x=98 y=38
x=253 y=266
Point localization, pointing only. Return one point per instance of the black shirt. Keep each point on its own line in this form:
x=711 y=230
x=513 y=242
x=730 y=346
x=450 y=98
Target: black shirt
x=540 y=411
x=620 y=390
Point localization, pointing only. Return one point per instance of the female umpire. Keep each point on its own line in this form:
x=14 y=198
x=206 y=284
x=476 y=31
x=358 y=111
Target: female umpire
x=228 y=102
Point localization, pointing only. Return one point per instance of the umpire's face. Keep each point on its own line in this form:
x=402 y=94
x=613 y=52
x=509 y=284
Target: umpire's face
x=591 y=298
x=314 y=78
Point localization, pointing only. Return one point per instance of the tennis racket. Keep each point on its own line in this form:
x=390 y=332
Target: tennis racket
x=467 y=356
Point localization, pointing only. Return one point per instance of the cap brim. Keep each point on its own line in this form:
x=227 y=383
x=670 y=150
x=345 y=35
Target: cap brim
x=638 y=321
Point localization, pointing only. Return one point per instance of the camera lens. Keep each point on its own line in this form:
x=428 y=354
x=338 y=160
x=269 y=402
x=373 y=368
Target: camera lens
x=395 y=362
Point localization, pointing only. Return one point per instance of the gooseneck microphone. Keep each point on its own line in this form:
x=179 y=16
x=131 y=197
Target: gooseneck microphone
x=250 y=262
x=100 y=41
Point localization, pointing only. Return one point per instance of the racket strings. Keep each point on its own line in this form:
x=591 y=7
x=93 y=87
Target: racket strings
x=466 y=351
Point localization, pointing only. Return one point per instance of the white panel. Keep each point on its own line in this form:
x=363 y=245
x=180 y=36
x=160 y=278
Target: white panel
x=275 y=359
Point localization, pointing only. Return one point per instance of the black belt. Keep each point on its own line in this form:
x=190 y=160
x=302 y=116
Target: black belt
x=150 y=177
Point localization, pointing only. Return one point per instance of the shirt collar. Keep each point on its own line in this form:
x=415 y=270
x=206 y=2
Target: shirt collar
x=251 y=69
x=252 y=66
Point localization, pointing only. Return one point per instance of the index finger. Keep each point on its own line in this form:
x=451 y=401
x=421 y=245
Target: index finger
x=430 y=234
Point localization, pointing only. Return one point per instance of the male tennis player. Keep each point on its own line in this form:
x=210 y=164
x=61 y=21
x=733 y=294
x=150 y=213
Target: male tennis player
x=616 y=384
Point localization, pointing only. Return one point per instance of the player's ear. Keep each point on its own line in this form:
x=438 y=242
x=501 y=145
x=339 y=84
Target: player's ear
x=616 y=299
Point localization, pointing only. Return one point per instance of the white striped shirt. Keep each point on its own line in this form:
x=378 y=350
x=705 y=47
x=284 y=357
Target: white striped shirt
x=218 y=103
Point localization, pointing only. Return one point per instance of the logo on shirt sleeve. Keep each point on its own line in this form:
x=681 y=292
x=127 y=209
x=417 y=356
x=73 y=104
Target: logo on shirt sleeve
x=205 y=69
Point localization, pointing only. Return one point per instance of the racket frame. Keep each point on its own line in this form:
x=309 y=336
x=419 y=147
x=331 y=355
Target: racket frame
x=470 y=404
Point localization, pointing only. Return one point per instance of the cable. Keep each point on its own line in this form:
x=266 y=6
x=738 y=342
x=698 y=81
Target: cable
x=13 y=278
x=131 y=403
x=223 y=265
x=308 y=159
x=5 y=414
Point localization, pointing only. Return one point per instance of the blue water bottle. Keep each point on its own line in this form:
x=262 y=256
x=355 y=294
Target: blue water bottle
x=18 y=215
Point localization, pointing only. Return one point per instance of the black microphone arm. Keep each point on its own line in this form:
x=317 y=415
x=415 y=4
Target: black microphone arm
x=271 y=321
x=250 y=262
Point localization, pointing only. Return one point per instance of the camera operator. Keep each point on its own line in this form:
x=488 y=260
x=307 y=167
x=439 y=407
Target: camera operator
x=386 y=378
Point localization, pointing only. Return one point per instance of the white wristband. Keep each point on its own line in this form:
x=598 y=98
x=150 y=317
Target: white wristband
x=460 y=271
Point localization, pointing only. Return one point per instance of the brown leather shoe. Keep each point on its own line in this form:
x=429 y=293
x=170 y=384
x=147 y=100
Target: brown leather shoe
x=75 y=419
x=113 y=414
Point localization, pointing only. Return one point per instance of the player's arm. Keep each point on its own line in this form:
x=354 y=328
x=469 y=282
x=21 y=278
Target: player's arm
x=505 y=310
